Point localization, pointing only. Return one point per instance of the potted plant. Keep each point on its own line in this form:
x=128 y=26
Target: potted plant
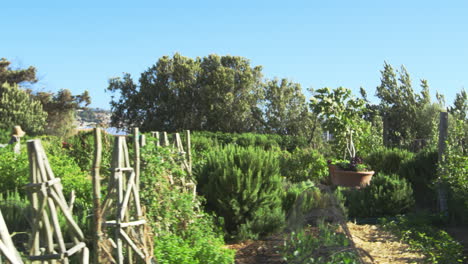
x=341 y=114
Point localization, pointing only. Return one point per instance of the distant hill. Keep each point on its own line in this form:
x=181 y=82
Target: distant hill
x=93 y=117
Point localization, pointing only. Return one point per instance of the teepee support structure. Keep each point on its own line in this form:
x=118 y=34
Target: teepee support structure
x=123 y=204
x=47 y=243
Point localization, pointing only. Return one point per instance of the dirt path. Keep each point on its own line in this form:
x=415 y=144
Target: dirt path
x=382 y=246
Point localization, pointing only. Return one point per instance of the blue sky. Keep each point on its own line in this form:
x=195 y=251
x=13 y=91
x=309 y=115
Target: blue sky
x=80 y=45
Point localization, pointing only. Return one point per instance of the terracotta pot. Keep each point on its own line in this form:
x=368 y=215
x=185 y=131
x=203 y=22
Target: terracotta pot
x=349 y=178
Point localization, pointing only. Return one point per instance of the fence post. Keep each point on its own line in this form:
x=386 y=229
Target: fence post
x=97 y=196
x=441 y=190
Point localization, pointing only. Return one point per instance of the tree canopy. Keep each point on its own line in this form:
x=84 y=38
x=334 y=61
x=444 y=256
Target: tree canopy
x=213 y=93
x=407 y=116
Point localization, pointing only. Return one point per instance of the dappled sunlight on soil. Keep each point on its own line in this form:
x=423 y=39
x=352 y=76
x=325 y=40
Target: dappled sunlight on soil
x=384 y=247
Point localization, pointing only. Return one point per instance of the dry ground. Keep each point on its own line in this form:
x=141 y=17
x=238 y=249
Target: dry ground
x=383 y=247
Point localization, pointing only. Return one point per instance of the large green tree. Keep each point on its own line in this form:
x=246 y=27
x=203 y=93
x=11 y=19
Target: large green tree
x=407 y=116
x=214 y=93
x=285 y=107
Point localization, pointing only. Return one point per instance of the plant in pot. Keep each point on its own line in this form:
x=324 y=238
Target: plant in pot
x=341 y=114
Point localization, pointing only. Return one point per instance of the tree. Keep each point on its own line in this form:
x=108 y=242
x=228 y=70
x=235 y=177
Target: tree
x=341 y=114
x=407 y=116
x=460 y=106
x=285 y=107
x=214 y=93
x=16 y=76
x=61 y=109
x=18 y=108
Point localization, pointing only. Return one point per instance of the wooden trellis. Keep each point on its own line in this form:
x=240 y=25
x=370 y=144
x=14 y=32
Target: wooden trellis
x=177 y=143
x=7 y=248
x=186 y=156
x=47 y=243
x=127 y=221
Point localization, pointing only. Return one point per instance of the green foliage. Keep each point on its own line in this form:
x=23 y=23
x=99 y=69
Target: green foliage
x=183 y=233
x=80 y=147
x=215 y=93
x=421 y=172
x=197 y=246
x=16 y=211
x=286 y=109
x=243 y=185
x=388 y=161
x=18 y=108
x=326 y=247
x=7 y=74
x=265 y=141
x=340 y=114
x=407 y=115
x=14 y=170
x=436 y=245
x=454 y=170
x=304 y=164
x=387 y=195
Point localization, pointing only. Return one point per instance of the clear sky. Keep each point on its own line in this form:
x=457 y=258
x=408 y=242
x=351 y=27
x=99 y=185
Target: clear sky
x=79 y=45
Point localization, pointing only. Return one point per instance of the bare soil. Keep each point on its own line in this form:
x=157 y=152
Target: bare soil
x=376 y=246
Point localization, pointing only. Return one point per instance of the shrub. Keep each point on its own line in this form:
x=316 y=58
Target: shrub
x=14 y=170
x=388 y=161
x=292 y=191
x=387 y=195
x=304 y=164
x=421 y=172
x=243 y=185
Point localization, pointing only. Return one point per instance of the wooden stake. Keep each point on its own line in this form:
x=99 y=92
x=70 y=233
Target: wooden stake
x=97 y=220
x=441 y=191
x=189 y=149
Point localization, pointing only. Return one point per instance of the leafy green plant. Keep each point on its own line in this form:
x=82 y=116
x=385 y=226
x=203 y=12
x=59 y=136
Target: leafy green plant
x=387 y=160
x=421 y=172
x=387 y=195
x=454 y=170
x=340 y=113
x=243 y=185
x=327 y=247
x=183 y=233
x=436 y=245
x=303 y=164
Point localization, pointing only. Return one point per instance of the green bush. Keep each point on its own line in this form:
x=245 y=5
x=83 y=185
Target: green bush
x=14 y=170
x=421 y=172
x=388 y=161
x=183 y=233
x=198 y=246
x=265 y=141
x=304 y=164
x=16 y=211
x=387 y=195
x=243 y=185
